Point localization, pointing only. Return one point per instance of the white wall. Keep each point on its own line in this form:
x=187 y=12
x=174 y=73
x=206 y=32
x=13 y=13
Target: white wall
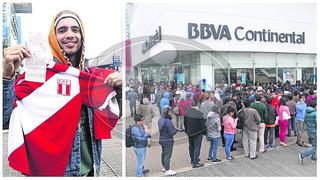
x=174 y=18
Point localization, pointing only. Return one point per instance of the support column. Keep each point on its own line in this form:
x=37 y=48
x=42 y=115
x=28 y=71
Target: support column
x=254 y=68
x=139 y=74
x=206 y=69
x=212 y=67
x=314 y=68
x=277 y=73
x=228 y=65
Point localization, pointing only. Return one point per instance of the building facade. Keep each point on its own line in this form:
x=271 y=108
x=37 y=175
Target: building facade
x=222 y=43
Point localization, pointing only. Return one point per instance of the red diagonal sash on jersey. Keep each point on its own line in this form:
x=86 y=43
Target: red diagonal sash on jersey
x=45 y=118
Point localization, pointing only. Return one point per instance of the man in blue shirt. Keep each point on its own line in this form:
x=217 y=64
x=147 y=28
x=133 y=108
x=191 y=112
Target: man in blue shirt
x=140 y=134
x=300 y=115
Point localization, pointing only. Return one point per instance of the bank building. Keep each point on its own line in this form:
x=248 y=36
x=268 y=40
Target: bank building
x=221 y=44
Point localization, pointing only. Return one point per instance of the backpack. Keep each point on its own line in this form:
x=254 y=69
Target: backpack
x=240 y=116
x=129 y=141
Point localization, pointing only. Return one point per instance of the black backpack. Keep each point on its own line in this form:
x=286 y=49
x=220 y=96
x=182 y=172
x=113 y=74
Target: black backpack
x=129 y=141
x=240 y=116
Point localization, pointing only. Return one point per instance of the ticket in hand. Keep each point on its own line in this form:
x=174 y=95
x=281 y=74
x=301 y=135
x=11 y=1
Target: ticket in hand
x=35 y=66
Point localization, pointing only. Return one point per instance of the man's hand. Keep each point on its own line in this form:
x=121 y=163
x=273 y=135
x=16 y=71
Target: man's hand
x=114 y=79
x=12 y=58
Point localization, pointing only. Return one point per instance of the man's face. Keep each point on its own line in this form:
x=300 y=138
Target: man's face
x=68 y=35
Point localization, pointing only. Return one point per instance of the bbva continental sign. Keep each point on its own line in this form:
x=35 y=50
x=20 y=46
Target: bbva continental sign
x=219 y=32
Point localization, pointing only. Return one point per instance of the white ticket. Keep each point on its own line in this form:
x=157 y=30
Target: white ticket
x=35 y=66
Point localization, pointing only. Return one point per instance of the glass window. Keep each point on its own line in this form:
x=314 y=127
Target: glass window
x=287 y=74
x=220 y=77
x=243 y=76
x=308 y=75
x=265 y=75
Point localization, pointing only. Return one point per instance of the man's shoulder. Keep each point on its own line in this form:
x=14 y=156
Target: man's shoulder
x=193 y=113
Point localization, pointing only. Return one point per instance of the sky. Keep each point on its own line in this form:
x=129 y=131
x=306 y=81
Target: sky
x=102 y=21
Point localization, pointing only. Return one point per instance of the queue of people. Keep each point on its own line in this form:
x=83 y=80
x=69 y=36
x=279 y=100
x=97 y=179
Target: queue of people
x=258 y=114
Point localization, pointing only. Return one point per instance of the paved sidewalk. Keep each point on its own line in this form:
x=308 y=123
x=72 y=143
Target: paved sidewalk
x=111 y=163
x=279 y=162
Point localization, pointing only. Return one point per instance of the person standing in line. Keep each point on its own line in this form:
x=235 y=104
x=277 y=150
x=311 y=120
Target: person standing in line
x=292 y=108
x=262 y=110
x=230 y=127
x=250 y=128
x=152 y=93
x=175 y=107
x=206 y=107
x=140 y=91
x=284 y=115
x=223 y=112
x=295 y=97
x=300 y=115
x=213 y=133
x=269 y=133
x=140 y=134
x=165 y=102
x=311 y=123
x=147 y=111
x=167 y=131
x=310 y=97
x=188 y=100
x=182 y=109
x=133 y=97
x=159 y=94
x=195 y=128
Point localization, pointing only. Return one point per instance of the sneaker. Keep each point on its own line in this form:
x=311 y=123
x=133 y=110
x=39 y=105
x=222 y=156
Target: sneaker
x=209 y=159
x=216 y=160
x=230 y=158
x=163 y=169
x=170 y=173
x=283 y=144
x=300 y=158
x=270 y=149
x=197 y=165
x=146 y=171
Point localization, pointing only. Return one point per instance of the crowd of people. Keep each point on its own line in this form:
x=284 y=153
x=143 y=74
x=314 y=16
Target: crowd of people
x=257 y=114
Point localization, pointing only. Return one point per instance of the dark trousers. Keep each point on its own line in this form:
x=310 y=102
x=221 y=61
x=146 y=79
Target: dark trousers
x=292 y=126
x=269 y=137
x=194 y=148
x=166 y=156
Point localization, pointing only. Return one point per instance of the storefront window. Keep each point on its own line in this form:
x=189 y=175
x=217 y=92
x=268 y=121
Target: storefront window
x=265 y=75
x=308 y=75
x=150 y=74
x=243 y=76
x=287 y=74
x=220 y=77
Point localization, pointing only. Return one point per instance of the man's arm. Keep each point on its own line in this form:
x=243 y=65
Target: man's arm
x=12 y=58
x=119 y=99
x=8 y=95
x=172 y=130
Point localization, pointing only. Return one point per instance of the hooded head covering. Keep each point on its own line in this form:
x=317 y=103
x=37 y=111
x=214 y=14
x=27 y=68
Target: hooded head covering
x=56 y=50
